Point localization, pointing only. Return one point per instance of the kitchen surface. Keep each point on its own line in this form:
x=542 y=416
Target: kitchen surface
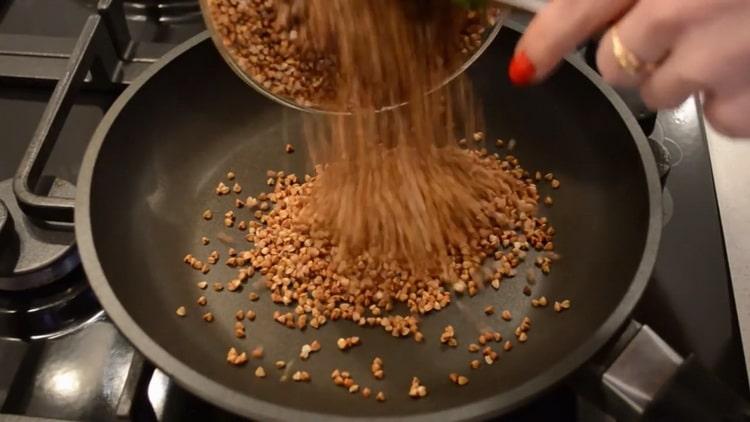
x=62 y=358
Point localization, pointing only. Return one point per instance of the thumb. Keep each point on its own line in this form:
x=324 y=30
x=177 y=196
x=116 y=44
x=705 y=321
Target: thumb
x=555 y=31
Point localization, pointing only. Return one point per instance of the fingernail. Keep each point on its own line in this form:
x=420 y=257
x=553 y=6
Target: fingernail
x=521 y=70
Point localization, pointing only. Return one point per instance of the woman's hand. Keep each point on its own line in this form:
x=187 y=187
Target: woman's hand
x=669 y=49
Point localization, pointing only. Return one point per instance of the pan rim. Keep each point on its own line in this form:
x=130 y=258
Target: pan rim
x=243 y=404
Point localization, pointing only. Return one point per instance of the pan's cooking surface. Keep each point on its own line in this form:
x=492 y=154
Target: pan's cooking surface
x=173 y=141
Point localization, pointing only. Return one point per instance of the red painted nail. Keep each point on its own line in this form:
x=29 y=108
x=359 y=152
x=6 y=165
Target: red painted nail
x=521 y=70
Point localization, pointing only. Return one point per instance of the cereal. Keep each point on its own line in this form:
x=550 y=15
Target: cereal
x=449 y=336
x=306 y=349
x=458 y=379
x=562 y=306
x=377 y=368
x=301 y=376
x=274 y=254
x=239 y=330
x=416 y=389
x=539 y=302
x=347 y=343
x=260 y=372
x=506 y=315
x=233 y=285
x=236 y=358
x=222 y=189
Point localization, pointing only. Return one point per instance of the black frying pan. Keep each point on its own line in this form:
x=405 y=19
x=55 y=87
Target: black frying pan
x=162 y=147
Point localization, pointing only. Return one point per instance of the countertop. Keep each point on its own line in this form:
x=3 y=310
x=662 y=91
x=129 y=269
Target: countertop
x=730 y=162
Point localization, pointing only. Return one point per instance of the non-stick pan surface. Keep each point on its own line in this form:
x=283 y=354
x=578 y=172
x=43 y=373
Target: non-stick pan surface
x=162 y=148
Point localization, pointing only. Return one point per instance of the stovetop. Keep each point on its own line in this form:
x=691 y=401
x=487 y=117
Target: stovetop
x=60 y=356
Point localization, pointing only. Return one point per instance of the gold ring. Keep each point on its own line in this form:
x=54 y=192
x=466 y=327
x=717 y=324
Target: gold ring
x=627 y=60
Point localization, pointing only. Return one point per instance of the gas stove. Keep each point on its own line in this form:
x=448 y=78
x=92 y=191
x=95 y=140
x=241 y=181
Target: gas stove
x=62 y=358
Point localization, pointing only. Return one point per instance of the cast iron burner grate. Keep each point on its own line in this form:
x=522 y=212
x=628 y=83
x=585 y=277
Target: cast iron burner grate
x=35 y=253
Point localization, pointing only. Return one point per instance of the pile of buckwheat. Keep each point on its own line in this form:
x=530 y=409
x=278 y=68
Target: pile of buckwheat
x=298 y=266
x=299 y=269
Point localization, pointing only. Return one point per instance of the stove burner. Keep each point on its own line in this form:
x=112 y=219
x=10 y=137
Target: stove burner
x=168 y=12
x=49 y=311
x=34 y=253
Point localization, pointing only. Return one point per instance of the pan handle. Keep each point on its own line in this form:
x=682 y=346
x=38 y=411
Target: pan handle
x=640 y=377
x=96 y=55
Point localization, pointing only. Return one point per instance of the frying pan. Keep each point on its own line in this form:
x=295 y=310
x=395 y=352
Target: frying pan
x=166 y=142
x=160 y=150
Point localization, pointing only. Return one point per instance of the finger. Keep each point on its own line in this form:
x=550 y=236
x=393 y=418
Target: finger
x=669 y=85
x=717 y=50
x=728 y=115
x=701 y=60
x=555 y=31
x=648 y=30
